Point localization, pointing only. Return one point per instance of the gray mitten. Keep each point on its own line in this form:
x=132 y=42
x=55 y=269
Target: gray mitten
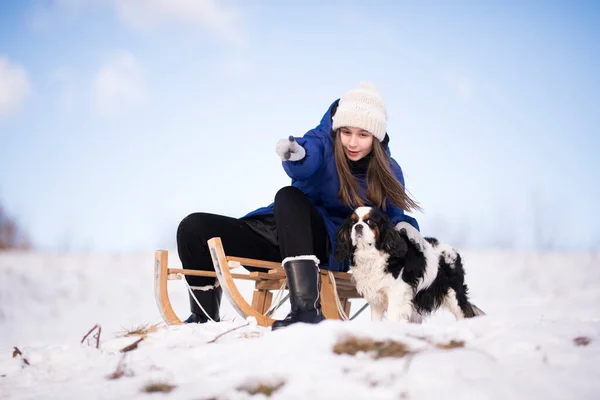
x=412 y=234
x=289 y=150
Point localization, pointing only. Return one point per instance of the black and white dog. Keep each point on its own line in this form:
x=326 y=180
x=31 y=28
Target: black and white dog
x=394 y=276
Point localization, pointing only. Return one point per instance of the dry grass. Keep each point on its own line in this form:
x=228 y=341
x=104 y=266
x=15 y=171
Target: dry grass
x=379 y=349
x=262 y=388
x=158 y=387
x=453 y=344
x=387 y=348
x=582 y=341
x=140 y=330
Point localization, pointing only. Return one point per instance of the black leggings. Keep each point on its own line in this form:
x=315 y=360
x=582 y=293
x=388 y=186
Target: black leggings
x=299 y=230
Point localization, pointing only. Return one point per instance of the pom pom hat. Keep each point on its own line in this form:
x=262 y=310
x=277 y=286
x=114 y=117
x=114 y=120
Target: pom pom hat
x=362 y=107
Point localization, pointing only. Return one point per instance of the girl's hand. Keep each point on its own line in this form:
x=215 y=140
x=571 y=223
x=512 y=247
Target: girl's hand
x=289 y=150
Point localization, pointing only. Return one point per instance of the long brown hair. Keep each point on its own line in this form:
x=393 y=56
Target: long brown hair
x=382 y=184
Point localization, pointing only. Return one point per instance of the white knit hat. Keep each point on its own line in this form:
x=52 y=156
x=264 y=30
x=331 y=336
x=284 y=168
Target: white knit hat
x=362 y=107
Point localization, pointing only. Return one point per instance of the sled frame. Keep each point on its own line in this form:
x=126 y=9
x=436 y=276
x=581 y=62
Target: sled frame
x=265 y=282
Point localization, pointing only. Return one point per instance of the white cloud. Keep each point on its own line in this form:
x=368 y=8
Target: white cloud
x=15 y=86
x=223 y=21
x=214 y=16
x=119 y=84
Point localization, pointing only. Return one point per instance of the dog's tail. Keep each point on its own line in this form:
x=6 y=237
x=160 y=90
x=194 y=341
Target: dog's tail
x=473 y=311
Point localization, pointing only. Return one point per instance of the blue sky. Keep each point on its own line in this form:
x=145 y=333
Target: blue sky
x=117 y=119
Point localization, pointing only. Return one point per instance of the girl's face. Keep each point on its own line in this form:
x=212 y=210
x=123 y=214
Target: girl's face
x=357 y=142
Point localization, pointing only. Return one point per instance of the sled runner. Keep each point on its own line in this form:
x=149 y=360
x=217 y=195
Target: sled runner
x=336 y=287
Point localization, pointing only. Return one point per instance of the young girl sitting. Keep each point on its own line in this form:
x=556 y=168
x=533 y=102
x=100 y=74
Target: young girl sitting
x=343 y=163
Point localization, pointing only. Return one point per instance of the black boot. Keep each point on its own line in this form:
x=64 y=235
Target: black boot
x=210 y=300
x=304 y=282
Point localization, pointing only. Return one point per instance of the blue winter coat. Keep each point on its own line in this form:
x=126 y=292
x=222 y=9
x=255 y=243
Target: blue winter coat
x=316 y=175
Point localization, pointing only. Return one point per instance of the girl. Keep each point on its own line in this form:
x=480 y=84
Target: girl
x=342 y=163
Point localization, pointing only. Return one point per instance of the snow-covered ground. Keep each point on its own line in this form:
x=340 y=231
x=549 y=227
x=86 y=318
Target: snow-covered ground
x=540 y=339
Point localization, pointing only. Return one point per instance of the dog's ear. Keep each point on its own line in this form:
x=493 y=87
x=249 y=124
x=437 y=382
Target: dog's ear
x=343 y=241
x=392 y=241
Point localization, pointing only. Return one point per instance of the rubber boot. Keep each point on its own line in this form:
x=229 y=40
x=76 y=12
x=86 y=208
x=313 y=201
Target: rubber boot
x=210 y=301
x=304 y=283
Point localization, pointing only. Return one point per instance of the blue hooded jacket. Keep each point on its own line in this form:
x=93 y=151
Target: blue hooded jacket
x=316 y=175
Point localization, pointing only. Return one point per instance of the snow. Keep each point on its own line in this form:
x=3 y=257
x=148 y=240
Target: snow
x=525 y=348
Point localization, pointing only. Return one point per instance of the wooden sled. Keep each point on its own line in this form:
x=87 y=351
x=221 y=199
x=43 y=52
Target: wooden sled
x=340 y=288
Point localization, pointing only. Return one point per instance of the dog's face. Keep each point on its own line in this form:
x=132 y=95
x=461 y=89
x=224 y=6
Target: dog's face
x=368 y=227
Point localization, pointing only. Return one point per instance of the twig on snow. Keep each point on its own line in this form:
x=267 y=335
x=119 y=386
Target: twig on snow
x=17 y=352
x=96 y=336
x=226 y=332
x=132 y=346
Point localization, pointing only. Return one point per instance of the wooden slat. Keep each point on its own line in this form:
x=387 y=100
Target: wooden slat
x=348 y=284
x=347 y=305
x=349 y=294
x=209 y=274
x=220 y=262
x=328 y=304
x=269 y=284
x=341 y=275
x=161 y=294
x=251 y=262
x=269 y=275
x=261 y=300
